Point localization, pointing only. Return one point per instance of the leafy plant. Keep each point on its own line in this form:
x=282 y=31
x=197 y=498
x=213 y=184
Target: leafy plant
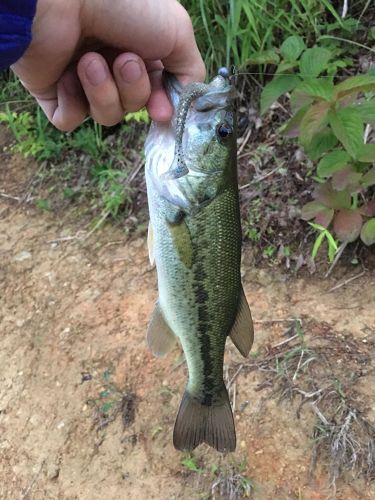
x=34 y=135
x=329 y=121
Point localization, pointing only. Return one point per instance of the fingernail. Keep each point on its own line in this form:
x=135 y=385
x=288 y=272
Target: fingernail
x=96 y=72
x=131 y=71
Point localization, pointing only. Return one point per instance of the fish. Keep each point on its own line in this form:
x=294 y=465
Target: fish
x=194 y=239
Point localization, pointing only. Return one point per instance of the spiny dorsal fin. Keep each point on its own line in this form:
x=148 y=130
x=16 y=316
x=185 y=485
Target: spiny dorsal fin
x=160 y=337
x=150 y=244
x=182 y=242
x=242 y=332
x=201 y=423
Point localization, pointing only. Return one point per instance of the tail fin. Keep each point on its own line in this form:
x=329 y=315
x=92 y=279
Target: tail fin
x=212 y=424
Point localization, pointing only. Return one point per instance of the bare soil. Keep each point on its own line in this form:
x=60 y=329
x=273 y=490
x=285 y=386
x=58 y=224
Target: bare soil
x=86 y=412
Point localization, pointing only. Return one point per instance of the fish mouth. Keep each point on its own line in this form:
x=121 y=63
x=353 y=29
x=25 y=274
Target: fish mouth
x=216 y=95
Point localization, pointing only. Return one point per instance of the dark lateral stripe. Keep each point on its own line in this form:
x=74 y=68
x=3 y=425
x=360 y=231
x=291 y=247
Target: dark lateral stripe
x=204 y=327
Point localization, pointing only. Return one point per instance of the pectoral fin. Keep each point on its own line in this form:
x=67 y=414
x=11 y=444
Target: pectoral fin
x=160 y=337
x=182 y=242
x=150 y=244
x=242 y=332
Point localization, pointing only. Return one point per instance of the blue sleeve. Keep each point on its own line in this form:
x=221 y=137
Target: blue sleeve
x=16 y=18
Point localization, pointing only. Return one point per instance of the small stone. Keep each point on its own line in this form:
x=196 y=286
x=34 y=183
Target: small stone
x=24 y=255
x=243 y=444
x=60 y=425
x=53 y=471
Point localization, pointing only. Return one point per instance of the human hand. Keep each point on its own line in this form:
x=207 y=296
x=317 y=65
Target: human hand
x=105 y=58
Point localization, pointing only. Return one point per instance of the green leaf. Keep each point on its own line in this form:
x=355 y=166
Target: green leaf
x=347 y=225
x=368 y=232
x=298 y=101
x=332 y=162
x=324 y=217
x=331 y=198
x=347 y=125
x=276 y=88
x=319 y=88
x=367 y=153
x=291 y=129
x=368 y=209
x=355 y=84
x=264 y=57
x=313 y=122
x=367 y=111
x=292 y=48
x=317 y=244
x=285 y=66
x=313 y=62
x=311 y=209
x=369 y=178
x=347 y=178
x=321 y=143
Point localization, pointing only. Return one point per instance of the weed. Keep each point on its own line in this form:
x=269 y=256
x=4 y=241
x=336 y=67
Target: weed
x=329 y=120
x=231 y=483
x=239 y=32
x=305 y=369
x=111 y=402
x=191 y=464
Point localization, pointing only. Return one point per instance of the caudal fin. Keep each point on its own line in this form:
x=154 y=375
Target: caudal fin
x=212 y=424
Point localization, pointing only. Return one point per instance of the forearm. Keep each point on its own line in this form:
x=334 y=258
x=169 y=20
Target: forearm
x=16 y=17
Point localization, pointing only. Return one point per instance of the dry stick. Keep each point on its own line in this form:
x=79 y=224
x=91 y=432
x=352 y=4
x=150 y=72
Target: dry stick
x=336 y=287
x=235 y=376
x=27 y=491
x=261 y=178
x=285 y=341
x=338 y=255
x=234 y=398
x=244 y=141
x=10 y=197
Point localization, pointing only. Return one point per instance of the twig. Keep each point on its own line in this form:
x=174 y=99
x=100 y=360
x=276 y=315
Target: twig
x=349 y=280
x=338 y=255
x=261 y=178
x=286 y=320
x=235 y=376
x=78 y=236
x=27 y=491
x=284 y=341
x=10 y=197
x=298 y=366
x=244 y=141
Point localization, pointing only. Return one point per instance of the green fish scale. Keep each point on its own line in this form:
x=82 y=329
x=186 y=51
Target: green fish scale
x=200 y=303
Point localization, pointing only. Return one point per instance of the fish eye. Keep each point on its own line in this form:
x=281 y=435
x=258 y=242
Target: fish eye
x=224 y=131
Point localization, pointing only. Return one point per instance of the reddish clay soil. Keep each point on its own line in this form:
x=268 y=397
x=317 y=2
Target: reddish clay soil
x=86 y=412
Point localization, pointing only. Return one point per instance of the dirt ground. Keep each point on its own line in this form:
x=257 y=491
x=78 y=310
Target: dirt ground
x=86 y=412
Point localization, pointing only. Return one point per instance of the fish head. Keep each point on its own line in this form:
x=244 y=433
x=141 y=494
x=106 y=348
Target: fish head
x=209 y=139
x=201 y=137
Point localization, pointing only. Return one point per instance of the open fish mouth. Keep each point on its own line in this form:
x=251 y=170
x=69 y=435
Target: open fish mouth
x=215 y=95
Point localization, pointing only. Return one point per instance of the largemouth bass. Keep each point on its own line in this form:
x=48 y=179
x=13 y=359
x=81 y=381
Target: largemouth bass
x=195 y=241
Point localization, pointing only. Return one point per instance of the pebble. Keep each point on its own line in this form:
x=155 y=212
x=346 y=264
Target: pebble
x=53 y=471
x=24 y=255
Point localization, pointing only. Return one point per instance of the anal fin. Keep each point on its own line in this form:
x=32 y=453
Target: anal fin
x=242 y=332
x=160 y=337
